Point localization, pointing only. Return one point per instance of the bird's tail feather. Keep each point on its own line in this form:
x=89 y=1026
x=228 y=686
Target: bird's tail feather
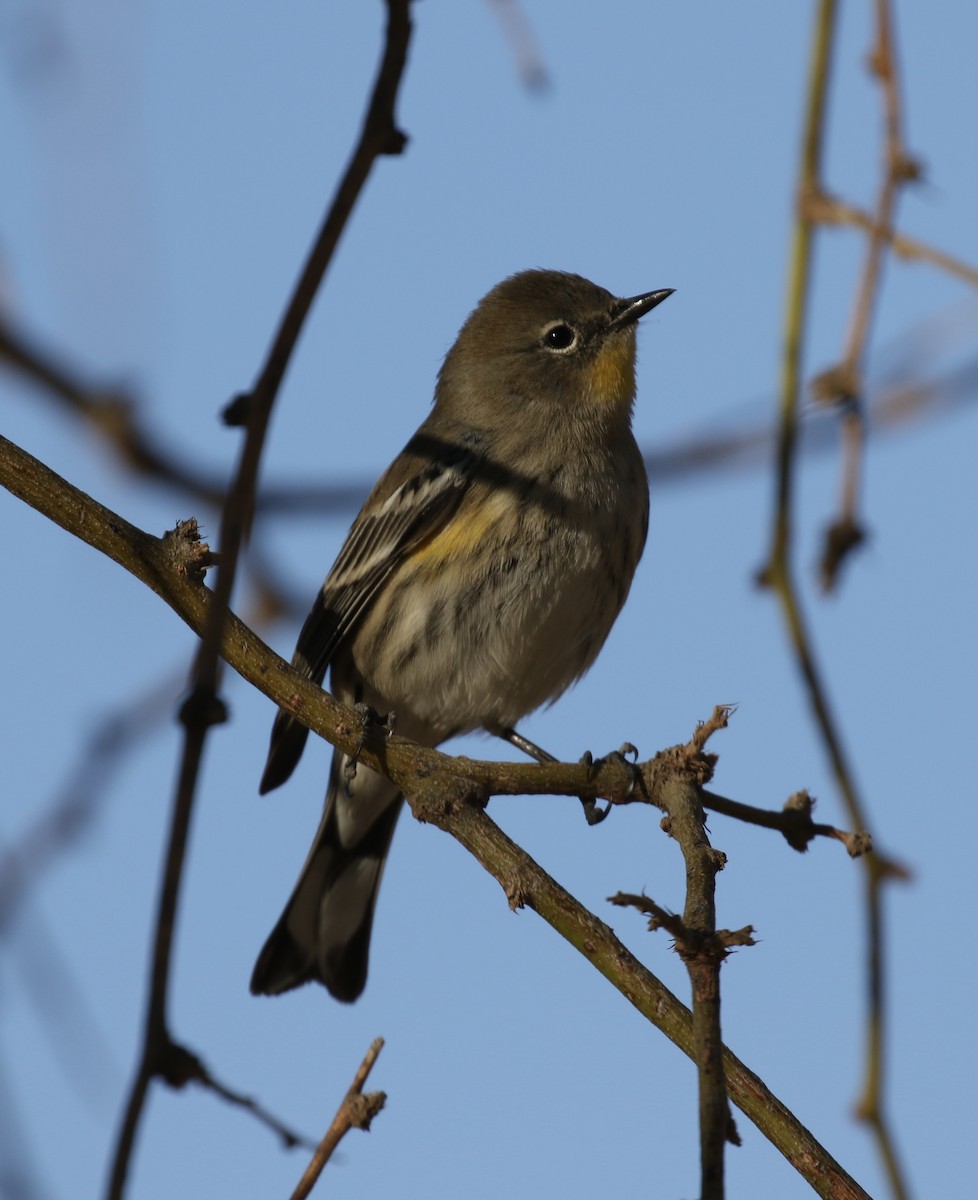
x=324 y=932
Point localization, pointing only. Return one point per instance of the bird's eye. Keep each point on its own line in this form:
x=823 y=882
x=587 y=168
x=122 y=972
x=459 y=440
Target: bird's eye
x=560 y=337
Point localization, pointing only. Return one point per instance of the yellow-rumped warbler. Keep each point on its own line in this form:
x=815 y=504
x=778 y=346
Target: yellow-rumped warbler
x=478 y=582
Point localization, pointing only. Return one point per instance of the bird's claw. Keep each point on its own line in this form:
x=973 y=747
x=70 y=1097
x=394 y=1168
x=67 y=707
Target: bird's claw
x=621 y=756
x=592 y=814
x=366 y=716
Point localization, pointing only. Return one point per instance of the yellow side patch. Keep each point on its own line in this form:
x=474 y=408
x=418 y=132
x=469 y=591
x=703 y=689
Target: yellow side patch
x=612 y=374
x=466 y=530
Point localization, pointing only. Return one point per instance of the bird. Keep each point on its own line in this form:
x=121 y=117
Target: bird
x=479 y=581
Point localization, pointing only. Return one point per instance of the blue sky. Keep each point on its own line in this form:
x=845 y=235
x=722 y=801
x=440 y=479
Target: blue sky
x=165 y=171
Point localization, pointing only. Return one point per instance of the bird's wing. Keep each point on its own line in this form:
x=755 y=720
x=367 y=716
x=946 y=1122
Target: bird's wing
x=383 y=535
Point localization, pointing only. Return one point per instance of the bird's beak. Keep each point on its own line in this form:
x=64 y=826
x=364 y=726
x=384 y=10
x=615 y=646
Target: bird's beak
x=626 y=312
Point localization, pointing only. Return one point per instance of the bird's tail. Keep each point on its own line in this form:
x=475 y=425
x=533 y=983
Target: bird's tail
x=324 y=932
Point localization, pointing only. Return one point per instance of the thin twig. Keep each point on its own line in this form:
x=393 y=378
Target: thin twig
x=356 y=1111
x=157 y=1045
x=826 y=209
x=799 y=283
x=113 y=415
x=179 y=1066
x=898 y=170
x=70 y=815
x=289 y=1137
x=843 y=384
x=794 y=821
x=778 y=573
x=203 y=707
x=522 y=42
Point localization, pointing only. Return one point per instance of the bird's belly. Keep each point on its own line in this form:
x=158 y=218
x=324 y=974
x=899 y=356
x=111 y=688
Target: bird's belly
x=455 y=659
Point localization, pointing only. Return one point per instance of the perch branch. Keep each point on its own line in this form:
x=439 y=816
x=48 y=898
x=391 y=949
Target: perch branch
x=449 y=792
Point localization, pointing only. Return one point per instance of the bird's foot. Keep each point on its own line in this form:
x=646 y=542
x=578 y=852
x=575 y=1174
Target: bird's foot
x=366 y=716
x=592 y=813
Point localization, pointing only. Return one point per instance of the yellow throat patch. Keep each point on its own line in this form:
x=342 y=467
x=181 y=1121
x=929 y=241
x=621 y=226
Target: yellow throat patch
x=612 y=374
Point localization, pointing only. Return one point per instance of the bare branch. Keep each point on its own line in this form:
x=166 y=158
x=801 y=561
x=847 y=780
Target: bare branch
x=799 y=280
x=831 y=210
x=778 y=573
x=794 y=821
x=203 y=707
x=522 y=42
x=356 y=1111
x=458 y=811
x=842 y=385
x=702 y=950
x=178 y=1066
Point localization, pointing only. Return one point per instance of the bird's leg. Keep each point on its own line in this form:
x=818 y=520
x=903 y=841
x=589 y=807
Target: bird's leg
x=523 y=743
x=592 y=814
x=366 y=717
